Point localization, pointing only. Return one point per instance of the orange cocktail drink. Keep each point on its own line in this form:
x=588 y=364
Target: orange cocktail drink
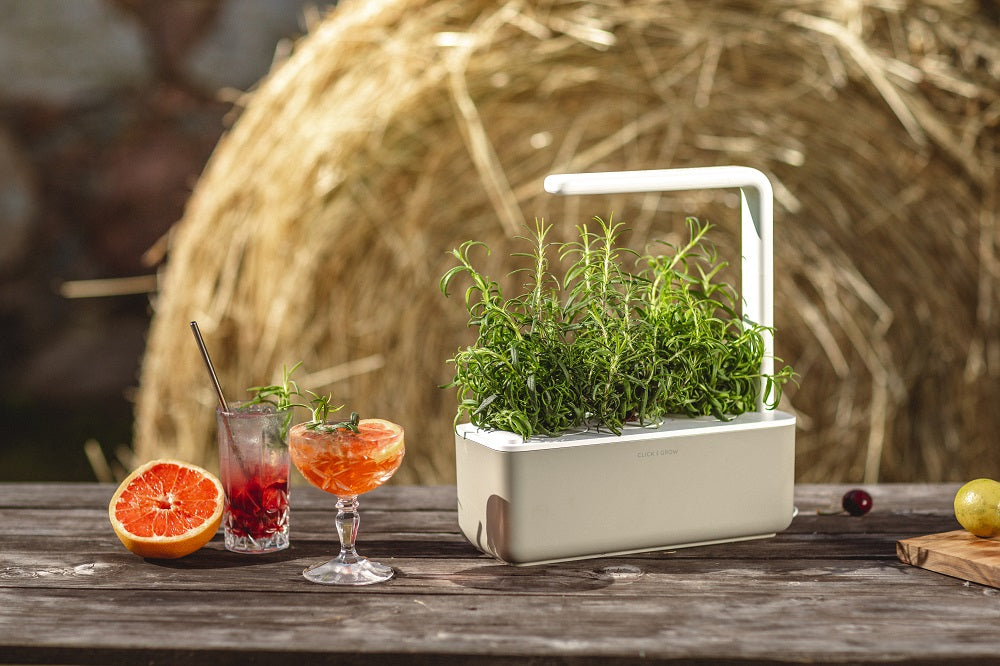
x=347 y=459
x=347 y=463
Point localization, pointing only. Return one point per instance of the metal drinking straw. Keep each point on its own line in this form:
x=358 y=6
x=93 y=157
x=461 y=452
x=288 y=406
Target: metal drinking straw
x=208 y=364
x=218 y=388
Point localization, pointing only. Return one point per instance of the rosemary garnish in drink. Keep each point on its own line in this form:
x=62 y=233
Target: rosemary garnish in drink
x=322 y=406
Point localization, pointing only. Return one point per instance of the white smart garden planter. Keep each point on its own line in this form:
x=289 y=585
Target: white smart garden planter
x=688 y=482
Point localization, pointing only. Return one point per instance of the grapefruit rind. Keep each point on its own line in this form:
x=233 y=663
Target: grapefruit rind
x=393 y=439
x=168 y=547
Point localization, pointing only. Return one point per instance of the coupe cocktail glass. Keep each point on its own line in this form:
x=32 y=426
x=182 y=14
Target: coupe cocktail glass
x=253 y=457
x=347 y=464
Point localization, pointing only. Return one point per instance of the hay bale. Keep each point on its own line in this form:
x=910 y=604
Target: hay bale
x=398 y=129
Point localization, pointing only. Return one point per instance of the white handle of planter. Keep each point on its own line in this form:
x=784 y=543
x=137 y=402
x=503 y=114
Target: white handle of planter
x=757 y=221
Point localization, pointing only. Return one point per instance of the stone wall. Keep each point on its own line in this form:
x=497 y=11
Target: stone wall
x=109 y=110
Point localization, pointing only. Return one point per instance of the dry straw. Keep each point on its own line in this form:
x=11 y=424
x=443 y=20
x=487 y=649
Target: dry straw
x=397 y=129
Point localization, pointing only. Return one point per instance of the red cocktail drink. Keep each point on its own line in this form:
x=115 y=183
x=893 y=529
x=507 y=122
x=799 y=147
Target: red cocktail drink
x=256 y=501
x=253 y=456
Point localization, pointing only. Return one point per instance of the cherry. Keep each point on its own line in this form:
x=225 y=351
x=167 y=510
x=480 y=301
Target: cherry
x=857 y=502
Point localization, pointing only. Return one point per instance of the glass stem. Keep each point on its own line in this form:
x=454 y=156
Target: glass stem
x=347 y=527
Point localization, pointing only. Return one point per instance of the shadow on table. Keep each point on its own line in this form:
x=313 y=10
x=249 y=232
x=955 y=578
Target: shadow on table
x=505 y=578
x=215 y=556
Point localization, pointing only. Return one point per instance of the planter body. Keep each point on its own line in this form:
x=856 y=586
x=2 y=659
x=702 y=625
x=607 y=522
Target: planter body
x=687 y=482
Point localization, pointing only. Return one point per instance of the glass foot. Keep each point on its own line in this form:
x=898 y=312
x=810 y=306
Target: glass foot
x=361 y=571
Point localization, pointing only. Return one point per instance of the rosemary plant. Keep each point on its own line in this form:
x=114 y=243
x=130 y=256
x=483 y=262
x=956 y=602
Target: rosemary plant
x=607 y=346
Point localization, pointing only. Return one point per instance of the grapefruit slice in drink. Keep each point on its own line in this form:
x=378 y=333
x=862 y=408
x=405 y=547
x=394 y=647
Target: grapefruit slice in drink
x=167 y=509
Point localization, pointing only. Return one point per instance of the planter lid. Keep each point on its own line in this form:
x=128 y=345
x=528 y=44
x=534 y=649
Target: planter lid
x=680 y=426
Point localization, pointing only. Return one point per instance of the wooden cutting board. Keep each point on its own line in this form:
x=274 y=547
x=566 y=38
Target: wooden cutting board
x=956 y=553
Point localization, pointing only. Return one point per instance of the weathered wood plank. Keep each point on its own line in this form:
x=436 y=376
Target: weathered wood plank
x=433 y=535
x=309 y=523
x=917 y=497
x=910 y=497
x=32 y=509
x=17 y=523
x=95 y=495
x=104 y=564
x=797 y=623
x=620 y=578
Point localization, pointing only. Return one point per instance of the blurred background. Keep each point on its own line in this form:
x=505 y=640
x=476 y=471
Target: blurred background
x=109 y=110
x=292 y=175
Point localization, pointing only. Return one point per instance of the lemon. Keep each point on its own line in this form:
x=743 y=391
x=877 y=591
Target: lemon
x=977 y=507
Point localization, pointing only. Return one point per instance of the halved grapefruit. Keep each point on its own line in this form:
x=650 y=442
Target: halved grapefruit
x=167 y=509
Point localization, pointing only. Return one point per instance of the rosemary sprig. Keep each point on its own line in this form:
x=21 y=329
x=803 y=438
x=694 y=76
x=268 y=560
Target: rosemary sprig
x=607 y=345
x=350 y=424
x=279 y=395
x=322 y=406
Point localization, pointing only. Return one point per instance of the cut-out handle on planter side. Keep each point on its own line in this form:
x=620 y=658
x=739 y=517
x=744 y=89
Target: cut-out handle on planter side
x=756 y=221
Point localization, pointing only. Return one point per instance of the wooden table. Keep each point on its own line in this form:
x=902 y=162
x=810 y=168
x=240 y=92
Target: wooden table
x=829 y=589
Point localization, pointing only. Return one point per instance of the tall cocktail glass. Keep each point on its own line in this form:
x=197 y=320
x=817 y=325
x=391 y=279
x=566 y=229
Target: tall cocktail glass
x=253 y=456
x=346 y=463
